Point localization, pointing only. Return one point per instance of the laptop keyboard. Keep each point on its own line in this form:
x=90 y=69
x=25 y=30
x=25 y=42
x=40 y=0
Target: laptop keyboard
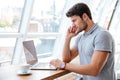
x=41 y=65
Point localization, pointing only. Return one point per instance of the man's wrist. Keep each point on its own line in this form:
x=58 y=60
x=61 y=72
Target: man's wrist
x=63 y=65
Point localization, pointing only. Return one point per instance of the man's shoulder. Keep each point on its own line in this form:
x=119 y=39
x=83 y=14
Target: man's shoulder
x=101 y=30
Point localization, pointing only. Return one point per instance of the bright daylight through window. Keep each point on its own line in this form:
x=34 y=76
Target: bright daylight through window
x=44 y=21
x=10 y=16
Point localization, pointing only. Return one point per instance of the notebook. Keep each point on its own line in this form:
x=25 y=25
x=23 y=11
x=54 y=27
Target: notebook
x=31 y=57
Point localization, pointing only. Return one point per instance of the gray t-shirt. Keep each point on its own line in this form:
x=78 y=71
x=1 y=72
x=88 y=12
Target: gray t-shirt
x=96 y=38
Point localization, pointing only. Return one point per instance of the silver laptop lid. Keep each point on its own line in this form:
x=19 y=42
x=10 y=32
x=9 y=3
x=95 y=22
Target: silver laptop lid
x=30 y=52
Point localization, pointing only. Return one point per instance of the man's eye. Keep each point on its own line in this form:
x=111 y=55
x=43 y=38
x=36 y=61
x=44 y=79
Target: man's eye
x=73 y=20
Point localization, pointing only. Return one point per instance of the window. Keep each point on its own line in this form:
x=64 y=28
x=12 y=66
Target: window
x=42 y=21
x=45 y=21
x=115 y=29
x=10 y=16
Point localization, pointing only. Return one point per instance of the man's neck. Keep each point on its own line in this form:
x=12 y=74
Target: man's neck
x=90 y=24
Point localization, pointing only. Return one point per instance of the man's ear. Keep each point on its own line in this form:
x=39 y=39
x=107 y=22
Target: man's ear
x=84 y=17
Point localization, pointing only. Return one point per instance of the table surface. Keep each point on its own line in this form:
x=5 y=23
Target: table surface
x=10 y=73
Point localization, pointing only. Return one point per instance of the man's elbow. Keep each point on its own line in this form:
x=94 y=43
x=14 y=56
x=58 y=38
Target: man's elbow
x=66 y=60
x=95 y=72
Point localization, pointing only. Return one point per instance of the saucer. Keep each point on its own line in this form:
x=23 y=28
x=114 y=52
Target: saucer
x=24 y=73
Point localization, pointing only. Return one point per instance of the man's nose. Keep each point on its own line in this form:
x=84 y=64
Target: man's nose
x=73 y=24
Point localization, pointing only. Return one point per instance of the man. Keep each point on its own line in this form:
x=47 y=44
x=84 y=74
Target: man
x=95 y=46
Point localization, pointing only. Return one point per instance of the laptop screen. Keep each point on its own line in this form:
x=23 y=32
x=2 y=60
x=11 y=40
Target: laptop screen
x=30 y=52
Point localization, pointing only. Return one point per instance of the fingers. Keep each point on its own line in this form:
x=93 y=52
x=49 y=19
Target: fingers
x=52 y=62
x=56 y=63
x=72 y=29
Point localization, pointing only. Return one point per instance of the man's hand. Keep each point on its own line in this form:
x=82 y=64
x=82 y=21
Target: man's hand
x=57 y=63
x=72 y=31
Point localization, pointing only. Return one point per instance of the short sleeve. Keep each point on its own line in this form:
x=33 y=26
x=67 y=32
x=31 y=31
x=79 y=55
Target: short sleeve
x=104 y=41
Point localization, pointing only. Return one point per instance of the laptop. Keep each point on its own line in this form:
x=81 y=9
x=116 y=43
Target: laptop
x=31 y=57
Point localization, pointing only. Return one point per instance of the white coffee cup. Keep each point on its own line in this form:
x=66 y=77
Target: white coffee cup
x=24 y=68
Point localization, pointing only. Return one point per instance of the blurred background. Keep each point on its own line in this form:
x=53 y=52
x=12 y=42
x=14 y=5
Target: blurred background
x=44 y=21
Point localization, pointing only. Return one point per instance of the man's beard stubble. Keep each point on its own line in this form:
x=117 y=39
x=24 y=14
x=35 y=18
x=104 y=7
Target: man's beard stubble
x=84 y=26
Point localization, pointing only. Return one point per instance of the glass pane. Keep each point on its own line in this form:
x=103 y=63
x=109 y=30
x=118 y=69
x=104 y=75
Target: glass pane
x=6 y=50
x=44 y=46
x=46 y=15
x=46 y=18
x=115 y=30
x=10 y=15
x=102 y=11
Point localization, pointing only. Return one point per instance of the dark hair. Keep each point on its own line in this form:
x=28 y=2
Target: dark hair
x=79 y=9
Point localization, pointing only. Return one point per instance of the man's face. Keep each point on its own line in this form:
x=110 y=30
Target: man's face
x=79 y=23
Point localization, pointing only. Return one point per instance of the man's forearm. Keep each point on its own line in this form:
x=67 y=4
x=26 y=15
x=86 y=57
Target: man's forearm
x=87 y=69
x=66 y=51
